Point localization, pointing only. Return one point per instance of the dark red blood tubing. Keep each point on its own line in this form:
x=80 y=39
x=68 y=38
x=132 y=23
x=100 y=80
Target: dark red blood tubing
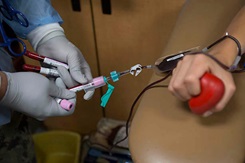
x=34 y=56
x=31 y=68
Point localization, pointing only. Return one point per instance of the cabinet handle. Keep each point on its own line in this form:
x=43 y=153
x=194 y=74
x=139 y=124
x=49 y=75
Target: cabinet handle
x=76 y=5
x=106 y=6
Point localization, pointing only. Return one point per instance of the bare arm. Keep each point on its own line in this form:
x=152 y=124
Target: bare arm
x=185 y=81
x=226 y=51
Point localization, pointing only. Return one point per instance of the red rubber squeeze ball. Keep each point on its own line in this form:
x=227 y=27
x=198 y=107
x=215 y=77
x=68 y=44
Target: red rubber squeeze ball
x=212 y=90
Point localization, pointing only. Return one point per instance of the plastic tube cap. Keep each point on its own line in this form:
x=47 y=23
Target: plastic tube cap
x=114 y=76
x=67 y=105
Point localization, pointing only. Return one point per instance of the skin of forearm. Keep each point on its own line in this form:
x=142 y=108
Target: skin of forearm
x=226 y=51
x=3 y=85
x=237 y=28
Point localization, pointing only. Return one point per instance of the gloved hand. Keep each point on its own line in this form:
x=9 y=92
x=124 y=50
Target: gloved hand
x=34 y=95
x=49 y=40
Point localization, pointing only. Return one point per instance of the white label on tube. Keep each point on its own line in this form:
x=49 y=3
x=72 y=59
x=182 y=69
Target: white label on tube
x=82 y=87
x=54 y=62
x=49 y=71
x=96 y=83
x=58 y=100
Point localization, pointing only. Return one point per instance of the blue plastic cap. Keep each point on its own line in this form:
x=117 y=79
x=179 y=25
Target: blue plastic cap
x=114 y=76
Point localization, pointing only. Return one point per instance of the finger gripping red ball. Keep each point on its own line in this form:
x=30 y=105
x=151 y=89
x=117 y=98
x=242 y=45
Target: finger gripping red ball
x=212 y=90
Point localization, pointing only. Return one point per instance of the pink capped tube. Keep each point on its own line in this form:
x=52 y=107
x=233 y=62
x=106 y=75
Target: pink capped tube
x=65 y=104
x=96 y=83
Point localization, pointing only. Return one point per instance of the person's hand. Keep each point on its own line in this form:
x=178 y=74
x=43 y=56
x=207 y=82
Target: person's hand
x=34 y=95
x=49 y=40
x=185 y=81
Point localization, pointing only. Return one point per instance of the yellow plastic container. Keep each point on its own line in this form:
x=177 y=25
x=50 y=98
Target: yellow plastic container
x=57 y=147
